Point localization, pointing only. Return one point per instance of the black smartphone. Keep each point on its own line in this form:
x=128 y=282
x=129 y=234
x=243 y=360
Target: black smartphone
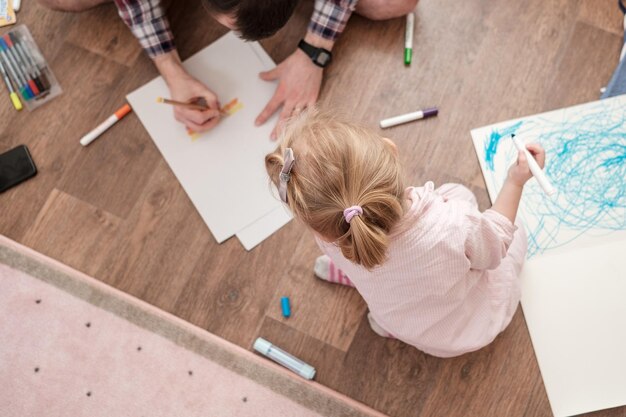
x=16 y=166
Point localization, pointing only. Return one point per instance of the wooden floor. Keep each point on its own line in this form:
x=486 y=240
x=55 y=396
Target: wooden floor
x=114 y=210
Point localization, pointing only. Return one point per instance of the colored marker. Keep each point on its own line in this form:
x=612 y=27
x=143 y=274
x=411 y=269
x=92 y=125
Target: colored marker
x=286 y=308
x=102 y=127
x=30 y=69
x=17 y=69
x=534 y=167
x=408 y=38
x=21 y=86
x=283 y=358
x=22 y=66
x=409 y=117
x=14 y=98
x=43 y=80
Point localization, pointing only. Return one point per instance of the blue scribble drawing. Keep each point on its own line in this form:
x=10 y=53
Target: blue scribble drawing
x=586 y=162
x=491 y=144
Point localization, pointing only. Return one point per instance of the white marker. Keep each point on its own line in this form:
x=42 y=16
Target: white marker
x=409 y=117
x=408 y=38
x=91 y=136
x=285 y=359
x=16 y=5
x=535 y=168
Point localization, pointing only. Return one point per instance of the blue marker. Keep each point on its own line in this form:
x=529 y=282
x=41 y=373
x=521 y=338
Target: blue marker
x=15 y=71
x=284 y=304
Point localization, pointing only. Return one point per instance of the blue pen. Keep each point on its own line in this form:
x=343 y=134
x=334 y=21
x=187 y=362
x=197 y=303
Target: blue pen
x=284 y=304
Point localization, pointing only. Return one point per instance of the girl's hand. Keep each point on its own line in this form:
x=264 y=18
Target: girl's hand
x=519 y=173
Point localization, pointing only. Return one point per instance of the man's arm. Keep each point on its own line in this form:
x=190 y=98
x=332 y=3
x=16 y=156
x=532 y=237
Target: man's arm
x=330 y=17
x=148 y=22
x=299 y=78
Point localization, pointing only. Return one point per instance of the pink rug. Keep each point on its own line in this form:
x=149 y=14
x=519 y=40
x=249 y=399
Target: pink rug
x=73 y=346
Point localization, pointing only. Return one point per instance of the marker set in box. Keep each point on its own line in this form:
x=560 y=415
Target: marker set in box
x=25 y=72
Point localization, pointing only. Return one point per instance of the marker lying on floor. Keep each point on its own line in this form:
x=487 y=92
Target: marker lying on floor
x=283 y=358
x=409 y=117
x=91 y=136
x=285 y=307
x=408 y=38
x=534 y=167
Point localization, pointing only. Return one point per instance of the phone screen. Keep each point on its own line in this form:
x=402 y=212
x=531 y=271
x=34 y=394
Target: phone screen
x=16 y=166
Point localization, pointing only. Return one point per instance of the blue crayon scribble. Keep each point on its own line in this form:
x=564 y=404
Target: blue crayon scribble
x=586 y=163
x=491 y=145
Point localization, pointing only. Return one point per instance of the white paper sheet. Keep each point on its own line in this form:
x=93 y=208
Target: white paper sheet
x=223 y=170
x=574 y=282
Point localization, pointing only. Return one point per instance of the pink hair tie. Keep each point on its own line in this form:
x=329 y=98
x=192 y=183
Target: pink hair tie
x=350 y=212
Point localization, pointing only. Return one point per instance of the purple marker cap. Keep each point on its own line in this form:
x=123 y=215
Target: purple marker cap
x=430 y=112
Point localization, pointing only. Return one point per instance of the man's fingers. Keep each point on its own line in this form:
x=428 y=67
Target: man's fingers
x=288 y=110
x=196 y=128
x=269 y=109
x=196 y=116
x=270 y=75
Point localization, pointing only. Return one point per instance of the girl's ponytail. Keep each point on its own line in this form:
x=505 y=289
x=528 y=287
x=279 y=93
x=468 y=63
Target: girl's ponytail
x=345 y=184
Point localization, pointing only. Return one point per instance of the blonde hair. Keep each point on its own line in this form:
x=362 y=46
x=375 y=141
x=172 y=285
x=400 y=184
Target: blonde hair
x=338 y=165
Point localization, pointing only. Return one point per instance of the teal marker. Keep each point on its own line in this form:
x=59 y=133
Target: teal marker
x=284 y=304
x=408 y=38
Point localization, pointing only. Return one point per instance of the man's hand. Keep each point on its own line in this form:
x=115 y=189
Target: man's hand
x=183 y=87
x=298 y=88
x=299 y=84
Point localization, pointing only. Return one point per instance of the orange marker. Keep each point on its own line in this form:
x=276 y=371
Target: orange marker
x=91 y=136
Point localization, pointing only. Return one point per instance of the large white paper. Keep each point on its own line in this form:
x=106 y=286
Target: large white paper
x=222 y=171
x=574 y=282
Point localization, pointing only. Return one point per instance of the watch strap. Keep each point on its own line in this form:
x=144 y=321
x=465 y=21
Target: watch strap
x=314 y=53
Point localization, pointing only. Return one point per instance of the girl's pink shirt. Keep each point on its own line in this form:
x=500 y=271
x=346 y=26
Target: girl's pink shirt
x=450 y=284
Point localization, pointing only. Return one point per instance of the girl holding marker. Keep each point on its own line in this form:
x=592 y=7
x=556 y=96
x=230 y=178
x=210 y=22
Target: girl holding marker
x=435 y=272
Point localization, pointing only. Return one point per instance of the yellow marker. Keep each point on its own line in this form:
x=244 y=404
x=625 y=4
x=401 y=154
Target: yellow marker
x=14 y=97
x=16 y=101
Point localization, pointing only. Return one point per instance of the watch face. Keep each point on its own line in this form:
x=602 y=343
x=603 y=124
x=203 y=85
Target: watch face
x=323 y=58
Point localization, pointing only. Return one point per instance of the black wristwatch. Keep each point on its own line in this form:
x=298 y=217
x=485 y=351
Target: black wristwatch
x=320 y=56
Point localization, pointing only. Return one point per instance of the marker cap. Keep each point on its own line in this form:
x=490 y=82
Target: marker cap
x=286 y=308
x=408 y=54
x=16 y=101
x=431 y=111
x=123 y=111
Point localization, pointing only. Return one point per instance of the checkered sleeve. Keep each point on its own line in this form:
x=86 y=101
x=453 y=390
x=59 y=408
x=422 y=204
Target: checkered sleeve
x=147 y=20
x=330 y=17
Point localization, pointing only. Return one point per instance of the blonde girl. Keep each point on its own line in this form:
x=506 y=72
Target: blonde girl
x=435 y=272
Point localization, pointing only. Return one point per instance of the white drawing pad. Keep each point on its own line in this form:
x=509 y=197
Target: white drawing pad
x=222 y=171
x=574 y=281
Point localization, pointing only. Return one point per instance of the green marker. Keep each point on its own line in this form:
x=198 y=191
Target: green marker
x=408 y=38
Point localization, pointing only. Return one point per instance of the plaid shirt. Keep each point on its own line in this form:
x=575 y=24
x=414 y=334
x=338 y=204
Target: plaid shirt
x=147 y=20
x=330 y=17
